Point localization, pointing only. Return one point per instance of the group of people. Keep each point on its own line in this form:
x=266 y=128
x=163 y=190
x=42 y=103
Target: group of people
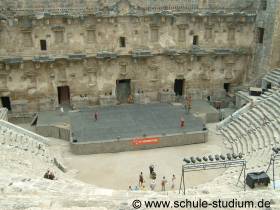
x=49 y=175
x=141 y=185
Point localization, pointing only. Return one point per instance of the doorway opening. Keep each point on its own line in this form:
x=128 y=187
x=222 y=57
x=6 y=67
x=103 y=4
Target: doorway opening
x=195 y=40
x=63 y=95
x=123 y=90
x=6 y=102
x=227 y=87
x=179 y=87
x=268 y=86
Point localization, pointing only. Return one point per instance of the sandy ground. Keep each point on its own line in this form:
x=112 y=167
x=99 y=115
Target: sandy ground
x=119 y=170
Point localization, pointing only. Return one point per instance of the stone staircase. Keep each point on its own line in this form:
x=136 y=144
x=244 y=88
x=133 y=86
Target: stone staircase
x=254 y=133
x=18 y=140
x=4 y=114
x=273 y=77
x=256 y=129
x=22 y=185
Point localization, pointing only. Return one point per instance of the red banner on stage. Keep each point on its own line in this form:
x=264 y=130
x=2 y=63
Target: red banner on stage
x=144 y=141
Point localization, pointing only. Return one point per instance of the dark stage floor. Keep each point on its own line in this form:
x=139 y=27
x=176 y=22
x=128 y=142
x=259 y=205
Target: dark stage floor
x=125 y=121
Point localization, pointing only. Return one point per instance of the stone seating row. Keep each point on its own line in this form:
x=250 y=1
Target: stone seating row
x=255 y=129
x=273 y=77
x=3 y=114
x=14 y=139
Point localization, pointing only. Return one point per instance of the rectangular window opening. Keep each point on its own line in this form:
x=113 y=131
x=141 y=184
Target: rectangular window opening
x=122 y=42
x=264 y=4
x=43 y=44
x=260 y=35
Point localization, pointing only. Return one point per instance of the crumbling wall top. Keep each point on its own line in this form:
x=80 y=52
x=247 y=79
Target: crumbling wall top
x=121 y=7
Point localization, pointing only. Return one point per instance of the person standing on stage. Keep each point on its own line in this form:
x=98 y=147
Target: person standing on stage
x=182 y=122
x=188 y=104
x=61 y=110
x=96 y=116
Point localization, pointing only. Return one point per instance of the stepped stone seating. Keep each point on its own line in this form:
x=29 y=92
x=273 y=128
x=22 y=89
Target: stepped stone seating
x=273 y=77
x=23 y=164
x=22 y=141
x=255 y=129
x=25 y=157
x=4 y=114
x=254 y=132
x=269 y=92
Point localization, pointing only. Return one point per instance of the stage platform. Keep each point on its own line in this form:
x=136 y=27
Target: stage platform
x=205 y=111
x=125 y=127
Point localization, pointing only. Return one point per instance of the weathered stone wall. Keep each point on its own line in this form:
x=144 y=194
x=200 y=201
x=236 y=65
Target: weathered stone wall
x=84 y=53
x=4 y=114
x=92 y=34
x=148 y=5
x=266 y=55
x=149 y=76
x=122 y=145
x=275 y=55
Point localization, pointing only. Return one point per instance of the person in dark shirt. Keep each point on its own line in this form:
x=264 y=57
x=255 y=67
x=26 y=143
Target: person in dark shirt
x=46 y=175
x=141 y=179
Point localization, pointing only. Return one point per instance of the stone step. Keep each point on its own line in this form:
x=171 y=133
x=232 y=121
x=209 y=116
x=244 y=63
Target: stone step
x=268 y=111
x=257 y=116
x=229 y=141
x=273 y=105
x=237 y=137
x=235 y=140
x=264 y=113
x=264 y=96
x=267 y=94
x=245 y=126
x=275 y=74
x=271 y=79
x=18 y=141
x=265 y=131
x=253 y=119
x=243 y=137
x=252 y=131
x=276 y=127
x=275 y=102
x=271 y=133
x=271 y=91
